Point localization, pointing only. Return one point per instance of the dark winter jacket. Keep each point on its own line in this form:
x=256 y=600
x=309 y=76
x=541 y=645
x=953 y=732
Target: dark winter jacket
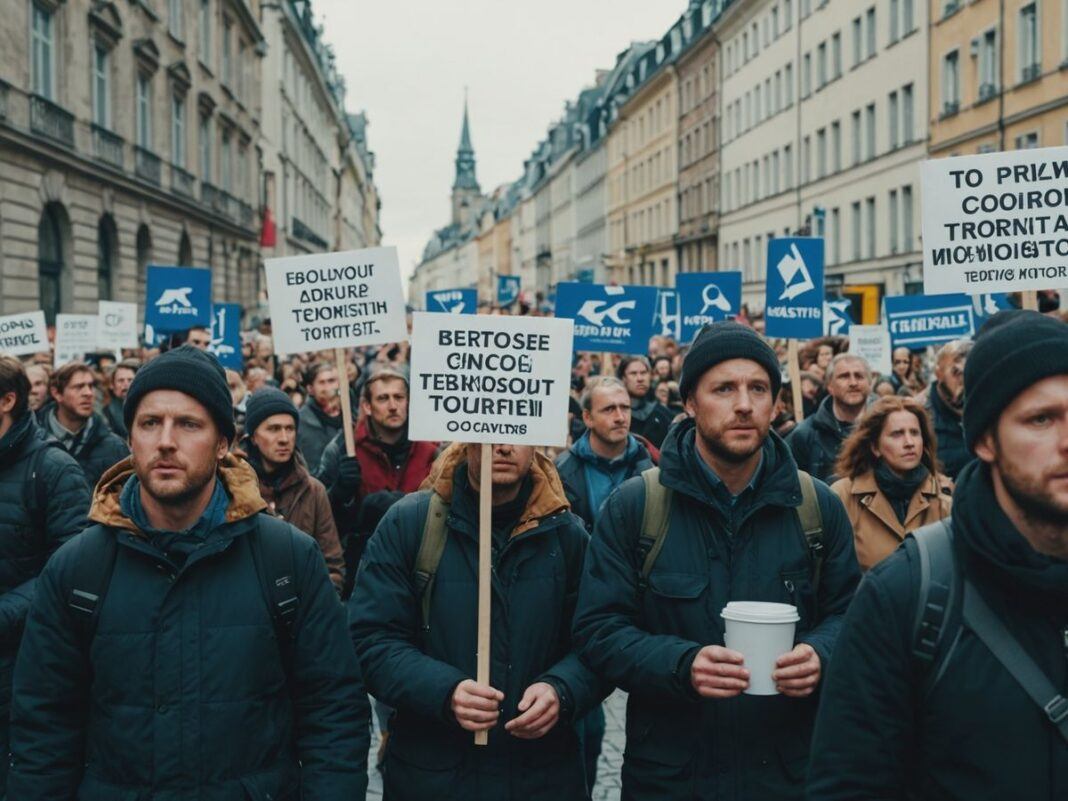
x=679 y=746
x=100 y=450
x=415 y=671
x=816 y=441
x=976 y=734
x=113 y=416
x=184 y=693
x=949 y=432
x=574 y=464
x=313 y=434
x=650 y=419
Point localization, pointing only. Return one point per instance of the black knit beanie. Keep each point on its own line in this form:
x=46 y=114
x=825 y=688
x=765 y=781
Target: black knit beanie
x=264 y=403
x=191 y=371
x=719 y=342
x=1006 y=359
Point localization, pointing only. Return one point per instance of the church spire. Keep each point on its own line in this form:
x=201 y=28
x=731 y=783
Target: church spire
x=465 y=158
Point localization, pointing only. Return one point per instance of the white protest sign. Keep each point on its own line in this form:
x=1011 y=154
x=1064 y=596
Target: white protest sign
x=871 y=343
x=336 y=300
x=117 y=325
x=996 y=222
x=490 y=379
x=22 y=334
x=75 y=337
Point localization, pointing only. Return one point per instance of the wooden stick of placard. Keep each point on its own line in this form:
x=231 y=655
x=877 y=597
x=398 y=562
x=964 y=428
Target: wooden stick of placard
x=1029 y=300
x=346 y=401
x=485 y=572
x=795 y=379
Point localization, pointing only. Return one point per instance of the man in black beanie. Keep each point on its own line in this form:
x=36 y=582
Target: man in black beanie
x=186 y=640
x=726 y=517
x=958 y=640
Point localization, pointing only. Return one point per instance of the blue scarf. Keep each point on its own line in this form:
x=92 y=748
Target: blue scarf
x=176 y=545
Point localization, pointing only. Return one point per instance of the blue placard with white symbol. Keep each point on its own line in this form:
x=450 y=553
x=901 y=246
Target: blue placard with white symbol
x=707 y=298
x=615 y=319
x=667 y=320
x=226 y=335
x=177 y=298
x=837 y=319
x=916 y=321
x=507 y=289
x=794 y=305
x=452 y=301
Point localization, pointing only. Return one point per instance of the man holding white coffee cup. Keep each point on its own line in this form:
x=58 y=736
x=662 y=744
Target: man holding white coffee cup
x=727 y=518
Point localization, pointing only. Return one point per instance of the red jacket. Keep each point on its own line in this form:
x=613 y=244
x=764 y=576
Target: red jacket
x=376 y=471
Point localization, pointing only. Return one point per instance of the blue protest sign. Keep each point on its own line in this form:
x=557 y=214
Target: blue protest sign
x=226 y=335
x=794 y=305
x=177 y=298
x=453 y=301
x=667 y=322
x=707 y=298
x=616 y=319
x=916 y=321
x=837 y=319
x=507 y=289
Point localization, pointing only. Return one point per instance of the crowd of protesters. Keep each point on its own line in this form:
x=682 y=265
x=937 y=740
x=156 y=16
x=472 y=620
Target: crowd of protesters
x=204 y=579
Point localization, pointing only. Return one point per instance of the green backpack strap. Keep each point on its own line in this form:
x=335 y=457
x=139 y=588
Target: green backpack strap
x=811 y=519
x=655 y=520
x=431 y=547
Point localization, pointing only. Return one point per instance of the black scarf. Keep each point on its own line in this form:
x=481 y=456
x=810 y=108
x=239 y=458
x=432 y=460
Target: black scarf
x=324 y=418
x=899 y=489
x=273 y=480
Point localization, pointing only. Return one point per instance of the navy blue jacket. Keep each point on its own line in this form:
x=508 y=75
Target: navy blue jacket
x=572 y=466
x=680 y=746
x=816 y=441
x=949 y=433
x=101 y=450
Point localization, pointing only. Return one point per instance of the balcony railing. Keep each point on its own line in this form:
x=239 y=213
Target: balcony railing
x=211 y=196
x=950 y=107
x=107 y=147
x=48 y=119
x=247 y=215
x=147 y=165
x=987 y=91
x=182 y=182
x=3 y=100
x=1031 y=72
x=302 y=231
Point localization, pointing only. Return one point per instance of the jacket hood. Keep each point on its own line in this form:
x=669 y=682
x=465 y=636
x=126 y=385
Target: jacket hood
x=546 y=499
x=235 y=473
x=22 y=431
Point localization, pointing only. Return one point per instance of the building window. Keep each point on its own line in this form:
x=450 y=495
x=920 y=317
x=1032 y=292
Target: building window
x=242 y=50
x=788 y=167
x=892 y=112
x=1030 y=48
x=988 y=65
x=906 y=218
x=836 y=55
x=226 y=163
x=858 y=42
x=870 y=19
x=906 y=115
x=836 y=146
x=951 y=83
x=1027 y=141
x=105 y=256
x=870 y=131
x=806 y=75
x=51 y=260
x=205 y=149
x=893 y=221
x=836 y=236
x=178 y=131
x=857 y=139
x=821 y=65
x=204 y=29
x=869 y=208
x=856 y=231
x=101 y=87
x=806 y=159
x=895 y=9
x=787 y=14
x=176 y=18
x=144 y=112
x=227 y=57
x=821 y=153
x=43 y=53
x=788 y=84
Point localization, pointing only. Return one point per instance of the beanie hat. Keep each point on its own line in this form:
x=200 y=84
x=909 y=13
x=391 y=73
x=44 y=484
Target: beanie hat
x=719 y=342
x=267 y=402
x=1006 y=360
x=192 y=372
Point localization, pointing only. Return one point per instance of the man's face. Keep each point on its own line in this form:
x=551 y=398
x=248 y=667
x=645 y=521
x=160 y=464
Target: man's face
x=77 y=397
x=636 y=378
x=902 y=362
x=608 y=417
x=663 y=369
x=900 y=442
x=256 y=379
x=850 y=384
x=199 y=338
x=175 y=445
x=120 y=381
x=732 y=406
x=809 y=388
x=824 y=356
x=511 y=464
x=38 y=386
x=275 y=438
x=388 y=406
x=950 y=374
x=324 y=388
x=582 y=365
x=1028 y=450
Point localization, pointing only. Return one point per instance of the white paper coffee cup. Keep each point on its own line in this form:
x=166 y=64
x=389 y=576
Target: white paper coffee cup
x=761 y=632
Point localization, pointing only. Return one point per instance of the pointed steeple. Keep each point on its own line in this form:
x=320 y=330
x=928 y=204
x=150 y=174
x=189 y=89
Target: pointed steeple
x=465 y=134
x=465 y=158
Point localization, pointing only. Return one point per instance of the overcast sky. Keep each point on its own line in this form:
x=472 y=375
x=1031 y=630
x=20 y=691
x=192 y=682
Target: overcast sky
x=407 y=62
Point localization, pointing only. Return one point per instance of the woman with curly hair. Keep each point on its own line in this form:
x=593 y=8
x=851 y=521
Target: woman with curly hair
x=891 y=485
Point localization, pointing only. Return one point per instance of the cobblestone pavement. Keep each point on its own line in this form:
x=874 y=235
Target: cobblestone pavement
x=608 y=787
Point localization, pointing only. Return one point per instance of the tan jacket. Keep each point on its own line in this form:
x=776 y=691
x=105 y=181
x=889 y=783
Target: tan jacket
x=876 y=530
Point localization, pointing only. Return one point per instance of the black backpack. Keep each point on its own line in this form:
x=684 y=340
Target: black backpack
x=271 y=544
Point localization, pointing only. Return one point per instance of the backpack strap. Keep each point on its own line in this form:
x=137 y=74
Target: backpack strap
x=656 y=518
x=33 y=493
x=937 y=619
x=90 y=579
x=431 y=547
x=811 y=519
x=271 y=543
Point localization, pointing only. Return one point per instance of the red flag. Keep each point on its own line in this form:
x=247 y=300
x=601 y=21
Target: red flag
x=268 y=236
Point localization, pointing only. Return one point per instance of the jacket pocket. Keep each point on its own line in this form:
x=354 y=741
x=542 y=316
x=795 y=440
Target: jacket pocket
x=797 y=590
x=677 y=586
x=271 y=785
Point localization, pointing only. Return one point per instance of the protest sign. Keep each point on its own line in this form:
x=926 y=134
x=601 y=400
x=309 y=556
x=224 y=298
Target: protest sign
x=336 y=300
x=452 y=301
x=75 y=337
x=916 y=321
x=668 y=321
x=996 y=222
x=707 y=298
x=612 y=319
x=507 y=289
x=794 y=305
x=837 y=319
x=177 y=298
x=226 y=335
x=871 y=343
x=117 y=326
x=23 y=334
x=489 y=378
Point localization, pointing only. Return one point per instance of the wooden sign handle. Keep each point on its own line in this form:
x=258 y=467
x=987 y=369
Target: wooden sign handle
x=485 y=568
x=1029 y=300
x=346 y=401
x=794 y=364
